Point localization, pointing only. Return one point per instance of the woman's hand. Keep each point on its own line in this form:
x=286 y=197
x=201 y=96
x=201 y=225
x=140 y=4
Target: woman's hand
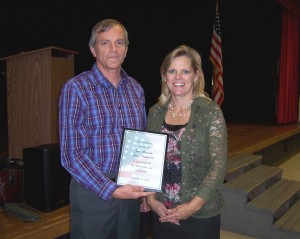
x=159 y=208
x=183 y=211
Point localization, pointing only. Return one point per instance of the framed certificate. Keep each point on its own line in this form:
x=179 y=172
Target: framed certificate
x=142 y=159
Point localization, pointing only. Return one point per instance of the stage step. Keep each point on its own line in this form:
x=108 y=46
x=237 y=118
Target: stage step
x=254 y=182
x=259 y=203
x=290 y=221
x=263 y=211
x=240 y=164
x=277 y=199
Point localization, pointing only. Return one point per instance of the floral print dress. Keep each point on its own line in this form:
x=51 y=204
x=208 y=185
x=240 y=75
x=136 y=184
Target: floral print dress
x=172 y=169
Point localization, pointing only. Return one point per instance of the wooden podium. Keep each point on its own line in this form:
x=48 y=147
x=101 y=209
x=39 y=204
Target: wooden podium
x=34 y=80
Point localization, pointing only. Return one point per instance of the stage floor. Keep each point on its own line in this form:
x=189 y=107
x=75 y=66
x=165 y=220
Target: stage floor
x=250 y=138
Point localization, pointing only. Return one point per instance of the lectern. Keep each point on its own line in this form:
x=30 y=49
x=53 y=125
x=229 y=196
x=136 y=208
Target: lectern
x=34 y=80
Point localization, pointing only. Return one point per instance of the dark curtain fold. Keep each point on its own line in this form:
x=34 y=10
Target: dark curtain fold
x=288 y=95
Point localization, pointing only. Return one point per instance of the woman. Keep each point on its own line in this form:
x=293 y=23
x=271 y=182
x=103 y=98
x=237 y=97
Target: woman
x=191 y=199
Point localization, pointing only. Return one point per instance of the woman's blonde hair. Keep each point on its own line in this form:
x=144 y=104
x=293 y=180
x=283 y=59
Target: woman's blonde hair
x=196 y=64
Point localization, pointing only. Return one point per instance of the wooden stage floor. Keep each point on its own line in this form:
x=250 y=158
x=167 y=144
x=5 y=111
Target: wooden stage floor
x=250 y=138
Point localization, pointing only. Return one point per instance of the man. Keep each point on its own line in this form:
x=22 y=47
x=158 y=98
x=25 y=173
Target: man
x=94 y=107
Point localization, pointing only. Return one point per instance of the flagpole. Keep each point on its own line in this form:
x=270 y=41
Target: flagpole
x=216 y=59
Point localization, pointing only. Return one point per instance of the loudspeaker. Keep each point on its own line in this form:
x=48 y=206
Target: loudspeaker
x=46 y=182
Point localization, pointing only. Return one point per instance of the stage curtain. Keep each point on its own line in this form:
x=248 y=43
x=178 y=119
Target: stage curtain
x=288 y=96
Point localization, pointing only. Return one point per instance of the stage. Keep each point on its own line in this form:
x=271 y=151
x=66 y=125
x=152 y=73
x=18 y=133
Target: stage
x=251 y=138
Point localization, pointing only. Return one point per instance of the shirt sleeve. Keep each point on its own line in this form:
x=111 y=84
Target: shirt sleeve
x=74 y=142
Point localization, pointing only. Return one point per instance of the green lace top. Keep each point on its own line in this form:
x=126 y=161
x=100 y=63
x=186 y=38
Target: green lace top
x=203 y=153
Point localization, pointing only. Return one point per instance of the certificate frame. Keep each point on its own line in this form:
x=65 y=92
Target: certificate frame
x=142 y=159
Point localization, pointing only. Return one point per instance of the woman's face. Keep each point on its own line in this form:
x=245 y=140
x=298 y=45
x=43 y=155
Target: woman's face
x=180 y=76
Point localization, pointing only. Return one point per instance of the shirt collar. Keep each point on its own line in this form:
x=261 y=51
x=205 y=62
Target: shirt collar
x=101 y=79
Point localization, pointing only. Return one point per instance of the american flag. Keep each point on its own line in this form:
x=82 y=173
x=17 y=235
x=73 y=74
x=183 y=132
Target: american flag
x=216 y=59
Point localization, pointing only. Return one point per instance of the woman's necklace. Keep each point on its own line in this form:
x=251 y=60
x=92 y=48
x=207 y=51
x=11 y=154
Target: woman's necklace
x=182 y=113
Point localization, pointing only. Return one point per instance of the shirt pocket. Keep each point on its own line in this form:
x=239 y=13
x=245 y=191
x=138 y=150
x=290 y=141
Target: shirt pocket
x=101 y=125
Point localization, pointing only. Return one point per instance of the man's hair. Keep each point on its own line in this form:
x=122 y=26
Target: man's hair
x=103 y=26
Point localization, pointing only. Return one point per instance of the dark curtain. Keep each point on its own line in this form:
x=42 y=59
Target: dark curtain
x=288 y=95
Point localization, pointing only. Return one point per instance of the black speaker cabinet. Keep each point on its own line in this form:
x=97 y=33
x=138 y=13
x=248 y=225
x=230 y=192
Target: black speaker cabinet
x=46 y=182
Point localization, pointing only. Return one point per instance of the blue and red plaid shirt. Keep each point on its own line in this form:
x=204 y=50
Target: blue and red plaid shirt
x=92 y=115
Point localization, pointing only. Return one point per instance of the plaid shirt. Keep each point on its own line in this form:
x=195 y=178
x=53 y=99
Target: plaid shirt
x=92 y=115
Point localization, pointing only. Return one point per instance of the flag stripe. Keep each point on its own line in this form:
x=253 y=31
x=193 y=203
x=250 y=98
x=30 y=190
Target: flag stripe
x=216 y=59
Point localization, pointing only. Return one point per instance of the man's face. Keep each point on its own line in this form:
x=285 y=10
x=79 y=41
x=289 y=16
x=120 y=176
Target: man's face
x=110 y=49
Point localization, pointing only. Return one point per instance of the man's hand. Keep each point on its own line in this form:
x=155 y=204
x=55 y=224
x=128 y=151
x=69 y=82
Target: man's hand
x=130 y=192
